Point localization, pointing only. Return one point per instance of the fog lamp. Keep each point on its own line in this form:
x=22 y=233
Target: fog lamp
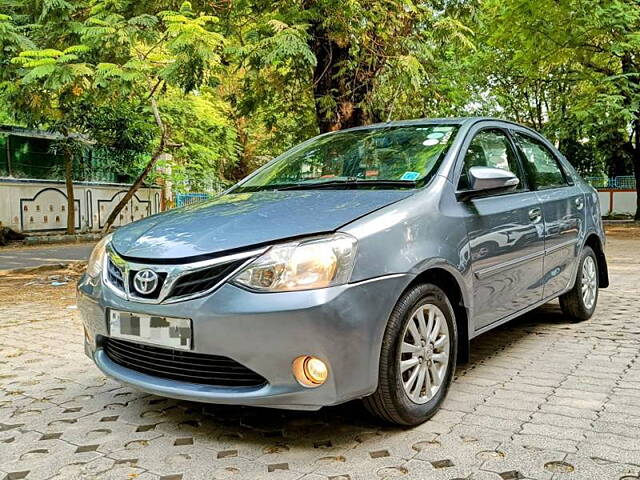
x=310 y=371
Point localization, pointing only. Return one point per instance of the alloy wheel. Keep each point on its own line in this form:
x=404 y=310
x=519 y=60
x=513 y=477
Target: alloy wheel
x=589 y=282
x=424 y=353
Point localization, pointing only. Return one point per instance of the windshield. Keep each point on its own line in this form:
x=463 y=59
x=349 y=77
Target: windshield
x=393 y=157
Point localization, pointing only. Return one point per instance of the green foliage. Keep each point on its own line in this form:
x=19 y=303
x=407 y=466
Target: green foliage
x=236 y=83
x=101 y=75
x=193 y=48
x=569 y=68
x=12 y=41
x=202 y=124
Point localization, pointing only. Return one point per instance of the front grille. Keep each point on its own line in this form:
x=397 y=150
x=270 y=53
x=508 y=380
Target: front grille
x=182 y=366
x=181 y=282
x=115 y=275
x=202 y=280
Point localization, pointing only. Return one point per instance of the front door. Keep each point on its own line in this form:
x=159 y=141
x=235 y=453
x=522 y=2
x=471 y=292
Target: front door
x=562 y=211
x=505 y=233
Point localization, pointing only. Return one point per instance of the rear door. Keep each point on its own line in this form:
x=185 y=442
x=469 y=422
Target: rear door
x=563 y=211
x=504 y=233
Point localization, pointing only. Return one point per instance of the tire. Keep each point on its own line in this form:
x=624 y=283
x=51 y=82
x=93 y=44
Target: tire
x=576 y=305
x=391 y=401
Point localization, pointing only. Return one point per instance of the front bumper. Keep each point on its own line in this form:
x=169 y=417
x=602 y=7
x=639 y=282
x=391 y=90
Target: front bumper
x=265 y=332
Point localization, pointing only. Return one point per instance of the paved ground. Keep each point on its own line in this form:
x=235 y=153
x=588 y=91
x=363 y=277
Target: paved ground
x=11 y=257
x=541 y=399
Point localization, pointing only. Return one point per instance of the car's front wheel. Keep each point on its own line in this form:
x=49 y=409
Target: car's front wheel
x=417 y=359
x=579 y=303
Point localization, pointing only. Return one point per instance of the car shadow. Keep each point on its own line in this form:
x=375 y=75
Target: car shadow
x=255 y=424
x=509 y=334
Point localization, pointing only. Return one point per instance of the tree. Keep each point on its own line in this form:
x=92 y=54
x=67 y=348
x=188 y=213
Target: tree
x=297 y=68
x=110 y=57
x=170 y=49
x=227 y=89
x=202 y=123
x=570 y=68
x=51 y=90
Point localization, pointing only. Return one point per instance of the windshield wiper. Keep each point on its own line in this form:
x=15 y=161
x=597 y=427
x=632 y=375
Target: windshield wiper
x=350 y=183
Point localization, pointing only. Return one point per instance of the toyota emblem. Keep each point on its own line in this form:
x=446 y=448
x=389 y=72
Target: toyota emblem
x=145 y=281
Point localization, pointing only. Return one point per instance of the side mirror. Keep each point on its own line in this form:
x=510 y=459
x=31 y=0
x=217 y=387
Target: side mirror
x=488 y=180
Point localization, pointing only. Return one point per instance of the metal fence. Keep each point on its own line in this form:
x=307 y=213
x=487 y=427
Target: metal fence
x=624 y=182
x=210 y=191
x=183 y=199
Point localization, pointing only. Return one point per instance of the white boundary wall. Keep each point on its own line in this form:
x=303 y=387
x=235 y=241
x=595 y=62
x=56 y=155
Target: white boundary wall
x=618 y=201
x=39 y=205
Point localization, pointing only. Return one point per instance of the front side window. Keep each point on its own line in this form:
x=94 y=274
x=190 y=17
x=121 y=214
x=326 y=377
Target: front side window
x=542 y=166
x=403 y=157
x=490 y=148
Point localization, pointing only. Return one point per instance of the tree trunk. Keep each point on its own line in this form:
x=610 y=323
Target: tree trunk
x=242 y=168
x=135 y=187
x=346 y=89
x=68 y=177
x=636 y=163
x=629 y=68
x=164 y=144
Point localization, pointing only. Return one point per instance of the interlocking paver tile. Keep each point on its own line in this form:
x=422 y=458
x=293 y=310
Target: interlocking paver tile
x=528 y=463
x=561 y=421
x=543 y=442
x=585 y=467
x=480 y=420
x=555 y=432
x=541 y=399
x=506 y=413
x=563 y=410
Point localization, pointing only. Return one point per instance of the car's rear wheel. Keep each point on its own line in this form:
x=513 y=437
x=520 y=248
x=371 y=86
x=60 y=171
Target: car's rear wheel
x=580 y=302
x=417 y=359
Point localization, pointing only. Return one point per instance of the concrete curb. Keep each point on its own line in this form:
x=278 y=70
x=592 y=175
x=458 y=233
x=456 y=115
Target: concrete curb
x=52 y=239
x=621 y=222
x=42 y=268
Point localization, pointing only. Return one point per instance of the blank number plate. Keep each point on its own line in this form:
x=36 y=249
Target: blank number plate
x=163 y=331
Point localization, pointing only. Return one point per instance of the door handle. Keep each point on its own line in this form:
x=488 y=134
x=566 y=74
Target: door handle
x=579 y=203
x=535 y=215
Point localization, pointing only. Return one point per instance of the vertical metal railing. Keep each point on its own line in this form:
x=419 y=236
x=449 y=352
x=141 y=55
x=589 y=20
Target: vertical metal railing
x=623 y=182
x=189 y=198
x=184 y=199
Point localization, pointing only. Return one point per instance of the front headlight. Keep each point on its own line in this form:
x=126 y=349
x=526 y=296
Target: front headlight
x=313 y=263
x=96 y=259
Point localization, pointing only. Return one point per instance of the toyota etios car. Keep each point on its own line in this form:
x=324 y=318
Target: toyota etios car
x=359 y=264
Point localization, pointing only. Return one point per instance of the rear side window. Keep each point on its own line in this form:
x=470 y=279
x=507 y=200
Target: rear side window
x=541 y=165
x=490 y=148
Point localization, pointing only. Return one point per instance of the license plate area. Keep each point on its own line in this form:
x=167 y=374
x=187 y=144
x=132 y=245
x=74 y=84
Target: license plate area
x=161 y=331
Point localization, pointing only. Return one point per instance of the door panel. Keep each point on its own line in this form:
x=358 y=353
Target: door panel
x=507 y=249
x=563 y=212
x=562 y=209
x=505 y=234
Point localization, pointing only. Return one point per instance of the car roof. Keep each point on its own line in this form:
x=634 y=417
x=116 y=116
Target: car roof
x=466 y=121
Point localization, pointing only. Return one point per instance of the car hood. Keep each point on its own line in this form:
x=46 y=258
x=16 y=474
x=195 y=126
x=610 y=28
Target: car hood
x=239 y=220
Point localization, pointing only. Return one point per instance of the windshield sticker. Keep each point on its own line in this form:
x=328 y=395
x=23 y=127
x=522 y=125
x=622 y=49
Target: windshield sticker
x=410 y=176
x=435 y=135
x=430 y=142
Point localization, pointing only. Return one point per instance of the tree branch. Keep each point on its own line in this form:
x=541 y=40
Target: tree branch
x=164 y=144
